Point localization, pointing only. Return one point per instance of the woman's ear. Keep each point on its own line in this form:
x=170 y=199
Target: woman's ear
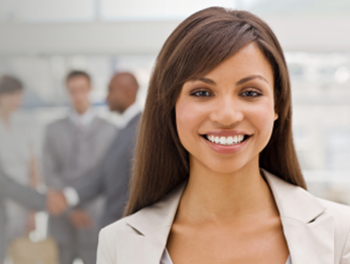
x=276 y=113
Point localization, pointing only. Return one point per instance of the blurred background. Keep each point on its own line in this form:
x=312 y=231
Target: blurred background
x=42 y=40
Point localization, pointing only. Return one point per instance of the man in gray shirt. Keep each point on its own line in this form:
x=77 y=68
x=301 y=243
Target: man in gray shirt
x=73 y=146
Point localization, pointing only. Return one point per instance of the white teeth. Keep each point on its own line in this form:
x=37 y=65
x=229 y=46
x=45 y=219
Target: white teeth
x=225 y=141
x=235 y=139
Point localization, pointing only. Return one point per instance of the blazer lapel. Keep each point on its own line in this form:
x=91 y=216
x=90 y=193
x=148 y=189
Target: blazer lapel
x=152 y=225
x=308 y=231
x=310 y=243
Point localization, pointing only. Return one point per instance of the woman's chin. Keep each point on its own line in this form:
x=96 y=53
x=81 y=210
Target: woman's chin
x=226 y=168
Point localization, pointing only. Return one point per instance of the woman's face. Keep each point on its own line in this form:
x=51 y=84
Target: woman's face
x=225 y=118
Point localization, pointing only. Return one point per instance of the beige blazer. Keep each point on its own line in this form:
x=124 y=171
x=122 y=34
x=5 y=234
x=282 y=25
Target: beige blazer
x=316 y=230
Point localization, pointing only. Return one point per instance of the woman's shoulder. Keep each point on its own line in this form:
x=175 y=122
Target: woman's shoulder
x=154 y=220
x=118 y=228
x=340 y=212
x=297 y=203
x=340 y=216
x=107 y=249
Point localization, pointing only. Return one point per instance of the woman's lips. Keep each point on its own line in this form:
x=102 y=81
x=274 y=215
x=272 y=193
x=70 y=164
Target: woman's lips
x=226 y=132
x=226 y=145
x=222 y=140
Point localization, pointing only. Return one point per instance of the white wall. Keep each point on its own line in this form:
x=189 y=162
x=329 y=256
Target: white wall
x=304 y=34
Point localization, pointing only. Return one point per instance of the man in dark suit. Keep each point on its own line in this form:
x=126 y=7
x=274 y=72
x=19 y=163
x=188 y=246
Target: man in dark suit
x=111 y=176
x=10 y=189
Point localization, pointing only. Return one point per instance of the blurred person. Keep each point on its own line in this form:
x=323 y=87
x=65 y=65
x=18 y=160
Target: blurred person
x=73 y=145
x=17 y=153
x=111 y=176
x=26 y=196
x=216 y=176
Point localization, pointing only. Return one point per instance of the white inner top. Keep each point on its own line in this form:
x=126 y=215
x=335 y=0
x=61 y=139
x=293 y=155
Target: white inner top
x=167 y=260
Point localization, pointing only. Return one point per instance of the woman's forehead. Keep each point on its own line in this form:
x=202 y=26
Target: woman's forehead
x=248 y=61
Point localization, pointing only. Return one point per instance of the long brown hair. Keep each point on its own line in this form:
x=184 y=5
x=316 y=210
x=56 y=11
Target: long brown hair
x=196 y=46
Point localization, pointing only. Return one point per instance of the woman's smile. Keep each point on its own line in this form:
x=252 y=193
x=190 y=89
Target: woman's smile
x=229 y=145
x=226 y=141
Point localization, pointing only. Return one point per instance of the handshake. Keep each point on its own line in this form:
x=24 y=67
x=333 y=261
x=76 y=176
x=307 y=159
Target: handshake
x=56 y=204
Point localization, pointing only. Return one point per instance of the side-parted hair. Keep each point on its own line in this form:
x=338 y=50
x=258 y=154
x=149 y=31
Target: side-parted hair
x=198 y=45
x=9 y=84
x=76 y=73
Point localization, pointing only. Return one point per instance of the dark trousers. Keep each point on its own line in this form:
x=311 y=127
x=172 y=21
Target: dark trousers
x=67 y=253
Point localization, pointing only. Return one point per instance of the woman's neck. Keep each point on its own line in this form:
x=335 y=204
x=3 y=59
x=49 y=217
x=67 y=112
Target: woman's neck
x=215 y=197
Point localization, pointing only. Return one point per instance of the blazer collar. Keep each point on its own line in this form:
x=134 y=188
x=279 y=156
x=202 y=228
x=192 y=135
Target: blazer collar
x=159 y=215
x=152 y=225
x=298 y=209
x=308 y=230
x=293 y=202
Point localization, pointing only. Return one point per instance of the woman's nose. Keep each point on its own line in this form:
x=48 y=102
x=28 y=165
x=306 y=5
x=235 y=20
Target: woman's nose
x=227 y=111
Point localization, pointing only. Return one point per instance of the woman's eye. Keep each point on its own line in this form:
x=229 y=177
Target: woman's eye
x=251 y=93
x=201 y=94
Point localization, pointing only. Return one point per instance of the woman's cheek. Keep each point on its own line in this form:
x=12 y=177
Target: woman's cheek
x=266 y=122
x=182 y=119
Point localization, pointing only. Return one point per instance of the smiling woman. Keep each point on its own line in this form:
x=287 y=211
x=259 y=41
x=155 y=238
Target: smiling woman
x=216 y=177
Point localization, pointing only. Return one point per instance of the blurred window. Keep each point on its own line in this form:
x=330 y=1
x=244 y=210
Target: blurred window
x=338 y=149
x=156 y=9
x=301 y=7
x=47 y=10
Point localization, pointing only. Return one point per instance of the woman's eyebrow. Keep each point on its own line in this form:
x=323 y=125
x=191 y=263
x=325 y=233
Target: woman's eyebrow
x=240 y=82
x=249 y=78
x=206 y=80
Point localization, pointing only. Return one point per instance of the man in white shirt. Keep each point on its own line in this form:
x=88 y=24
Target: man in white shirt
x=73 y=146
x=111 y=176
